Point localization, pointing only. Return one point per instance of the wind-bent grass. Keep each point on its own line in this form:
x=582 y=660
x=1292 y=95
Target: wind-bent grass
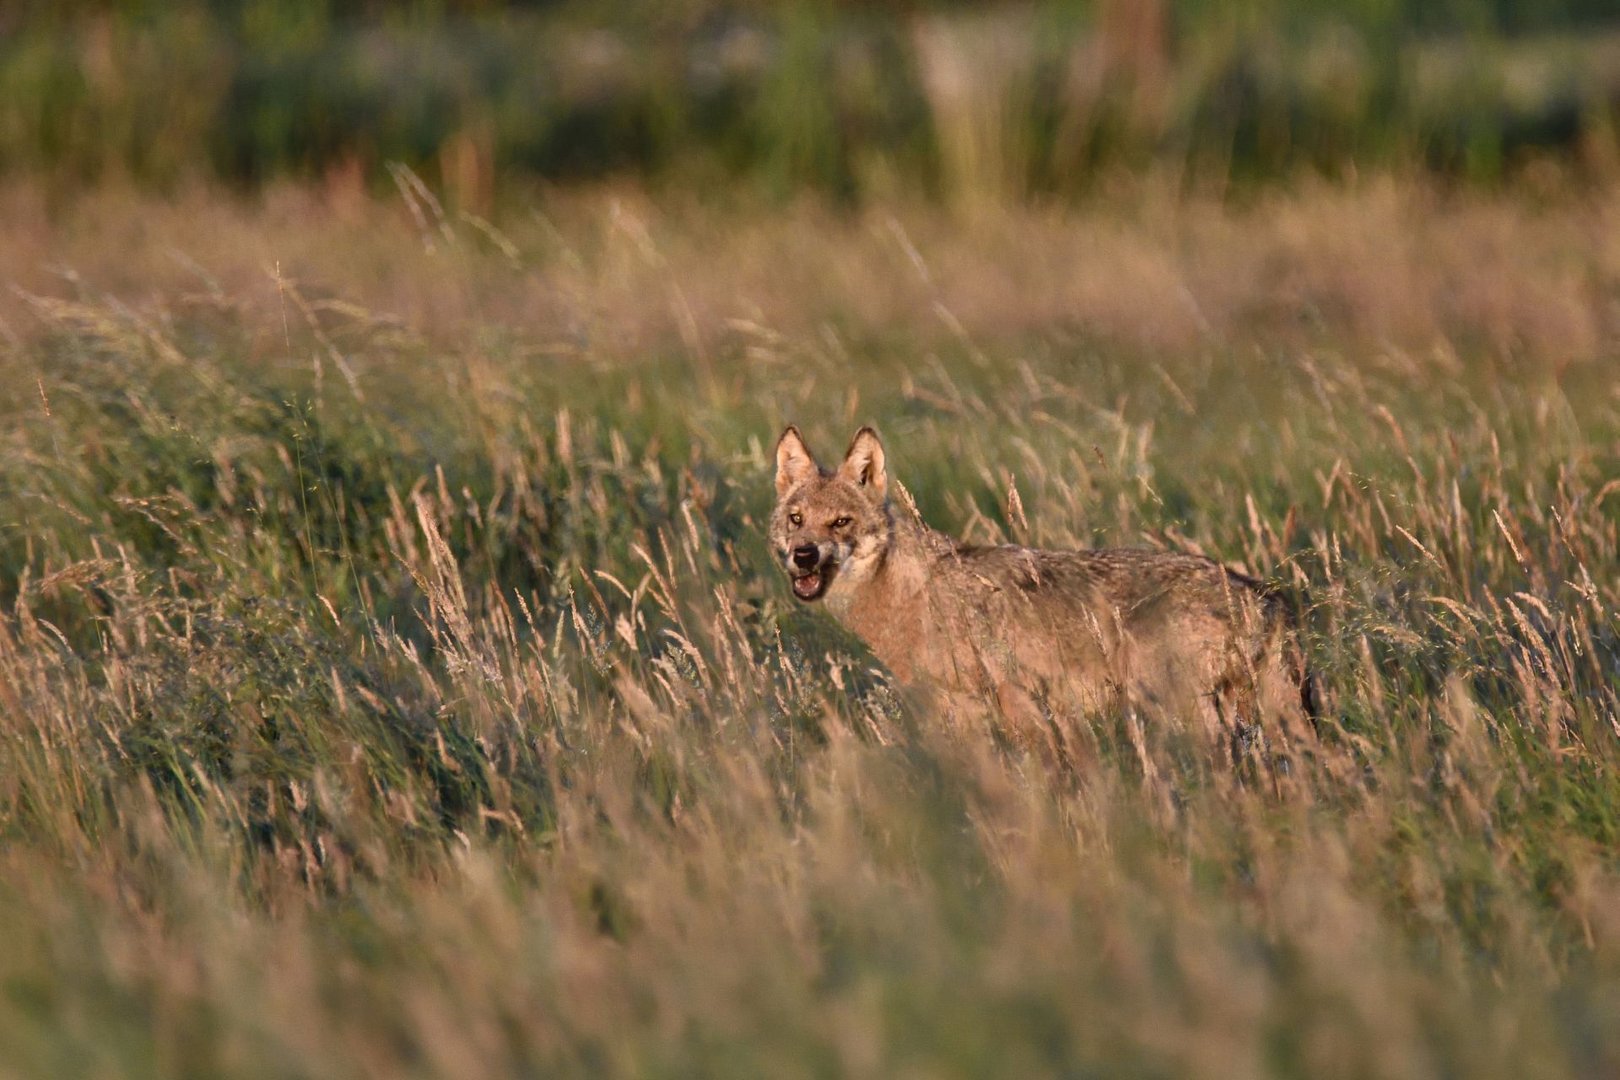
x=384 y=697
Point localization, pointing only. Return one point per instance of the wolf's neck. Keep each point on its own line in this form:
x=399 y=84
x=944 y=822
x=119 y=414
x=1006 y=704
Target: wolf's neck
x=889 y=609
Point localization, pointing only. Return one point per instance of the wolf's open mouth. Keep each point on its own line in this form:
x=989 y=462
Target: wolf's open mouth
x=810 y=585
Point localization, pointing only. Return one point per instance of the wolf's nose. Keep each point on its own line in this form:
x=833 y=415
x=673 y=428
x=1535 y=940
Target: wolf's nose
x=804 y=556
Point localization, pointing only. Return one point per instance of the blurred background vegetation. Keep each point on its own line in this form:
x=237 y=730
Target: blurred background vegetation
x=855 y=100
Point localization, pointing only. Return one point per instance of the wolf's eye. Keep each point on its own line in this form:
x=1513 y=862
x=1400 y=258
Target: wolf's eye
x=796 y=519
x=839 y=523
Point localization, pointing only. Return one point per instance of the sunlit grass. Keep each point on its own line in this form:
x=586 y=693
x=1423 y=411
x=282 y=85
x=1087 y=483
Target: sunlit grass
x=398 y=689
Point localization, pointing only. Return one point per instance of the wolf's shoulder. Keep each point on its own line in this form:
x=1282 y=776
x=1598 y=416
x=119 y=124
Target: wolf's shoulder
x=1026 y=568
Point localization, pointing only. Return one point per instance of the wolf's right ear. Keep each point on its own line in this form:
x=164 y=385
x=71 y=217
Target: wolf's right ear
x=794 y=463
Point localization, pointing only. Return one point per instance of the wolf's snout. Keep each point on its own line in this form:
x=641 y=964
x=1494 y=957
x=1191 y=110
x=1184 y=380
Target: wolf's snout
x=805 y=556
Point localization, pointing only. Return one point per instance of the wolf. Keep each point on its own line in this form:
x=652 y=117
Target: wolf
x=1040 y=637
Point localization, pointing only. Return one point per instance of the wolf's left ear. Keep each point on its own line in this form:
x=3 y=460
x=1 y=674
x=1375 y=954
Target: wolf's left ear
x=863 y=464
x=794 y=464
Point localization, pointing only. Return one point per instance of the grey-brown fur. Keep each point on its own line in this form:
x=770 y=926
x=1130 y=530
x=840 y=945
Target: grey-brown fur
x=1035 y=634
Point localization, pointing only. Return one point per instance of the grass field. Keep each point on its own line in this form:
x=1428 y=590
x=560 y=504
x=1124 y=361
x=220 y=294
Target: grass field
x=394 y=681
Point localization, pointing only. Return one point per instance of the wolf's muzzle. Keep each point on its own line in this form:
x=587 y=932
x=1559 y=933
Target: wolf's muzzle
x=805 y=556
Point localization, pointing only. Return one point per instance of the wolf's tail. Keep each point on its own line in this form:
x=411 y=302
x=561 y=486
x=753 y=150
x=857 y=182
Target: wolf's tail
x=1289 y=618
x=1308 y=699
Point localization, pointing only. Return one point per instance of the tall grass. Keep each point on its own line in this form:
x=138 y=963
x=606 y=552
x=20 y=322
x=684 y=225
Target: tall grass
x=398 y=689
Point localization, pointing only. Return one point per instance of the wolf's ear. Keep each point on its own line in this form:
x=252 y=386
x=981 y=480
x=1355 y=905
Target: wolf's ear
x=863 y=464
x=794 y=463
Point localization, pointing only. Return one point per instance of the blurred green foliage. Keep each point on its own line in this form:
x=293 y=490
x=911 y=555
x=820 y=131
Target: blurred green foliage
x=844 y=98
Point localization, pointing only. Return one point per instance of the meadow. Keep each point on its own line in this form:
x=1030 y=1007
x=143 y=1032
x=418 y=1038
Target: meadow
x=395 y=682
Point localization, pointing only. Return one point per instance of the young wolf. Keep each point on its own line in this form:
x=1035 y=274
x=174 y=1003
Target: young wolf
x=1035 y=634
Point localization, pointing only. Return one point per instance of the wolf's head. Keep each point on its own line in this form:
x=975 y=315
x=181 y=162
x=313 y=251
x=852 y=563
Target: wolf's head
x=830 y=529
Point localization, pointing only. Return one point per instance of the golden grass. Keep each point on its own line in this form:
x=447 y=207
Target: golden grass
x=1383 y=263
x=393 y=681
